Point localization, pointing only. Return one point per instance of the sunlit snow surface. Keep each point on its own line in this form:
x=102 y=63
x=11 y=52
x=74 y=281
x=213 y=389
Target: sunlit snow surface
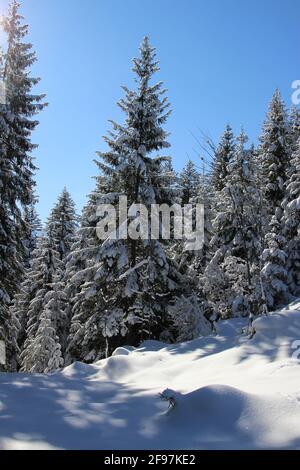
x=230 y=392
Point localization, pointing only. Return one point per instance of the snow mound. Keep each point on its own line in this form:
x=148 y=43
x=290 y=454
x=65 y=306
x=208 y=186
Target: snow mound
x=124 y=351
x=78 y=369
x=118 y=366
x=219 y=416
x=284 y=324
x=221 y=392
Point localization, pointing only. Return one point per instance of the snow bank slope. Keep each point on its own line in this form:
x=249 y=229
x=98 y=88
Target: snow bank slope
x=230 y=392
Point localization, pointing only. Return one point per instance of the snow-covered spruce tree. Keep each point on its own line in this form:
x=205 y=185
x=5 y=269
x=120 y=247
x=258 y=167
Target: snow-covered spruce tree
x=294 y=128
x=195 y=262
x=188 y=182
x=274 y=154
x=236 y=232
x=33 y=228
x=291 y=222
x=62 y=224
x=188 y=319
x=222 y=158
x=21 y=108
x=16 y=165
x=60 y=233
x=9 y=261
x=44 y=355
x=236 y=221
x=127 y=285
x=81 y=268
x=17 y=314
x=205 y=196
x=274 y=272
x=41 y=280
x=225 y=287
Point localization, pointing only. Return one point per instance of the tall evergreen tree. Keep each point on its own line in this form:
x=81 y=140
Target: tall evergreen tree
x=17 y=121
x=223 y=157
x=189 y=180
x=60 y=234
x=33 y=228
x=22 y=106
x=44 y=354
x=235 y=203
x=196 y=261
x=274 y=272
x=274 y=154
x=291 y=222
x=236 y=241
x=9 y=261
x=294 y=128
x=206 y=196
x=81 y=267
x=62 y=224
x=40 y=292
x=128 y=284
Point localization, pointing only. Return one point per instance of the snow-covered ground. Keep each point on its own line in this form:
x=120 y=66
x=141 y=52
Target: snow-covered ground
x=231 y=392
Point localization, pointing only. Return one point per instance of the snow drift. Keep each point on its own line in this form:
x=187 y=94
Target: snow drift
x=230 y=393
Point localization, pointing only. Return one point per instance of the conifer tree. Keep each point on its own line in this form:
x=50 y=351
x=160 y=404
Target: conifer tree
x=294 y=128
x=9 y=260
x=81 y=268
x=206 y=196
x=195 y=262
x=128 y=284
x=21 y=105
x=41 y=279
x=274 y=154
x=60 y=234
x=189 y=321
x=236 y=230
x=189 y=180
x=17 y=121
x=62 y=224
x=291 y=222
x=33 y=228
x=235 y=223
x=274 y=272
x=223 y=157
x=44 y=355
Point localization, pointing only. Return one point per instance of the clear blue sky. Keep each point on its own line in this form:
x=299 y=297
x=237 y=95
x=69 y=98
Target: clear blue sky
x=221 y=61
